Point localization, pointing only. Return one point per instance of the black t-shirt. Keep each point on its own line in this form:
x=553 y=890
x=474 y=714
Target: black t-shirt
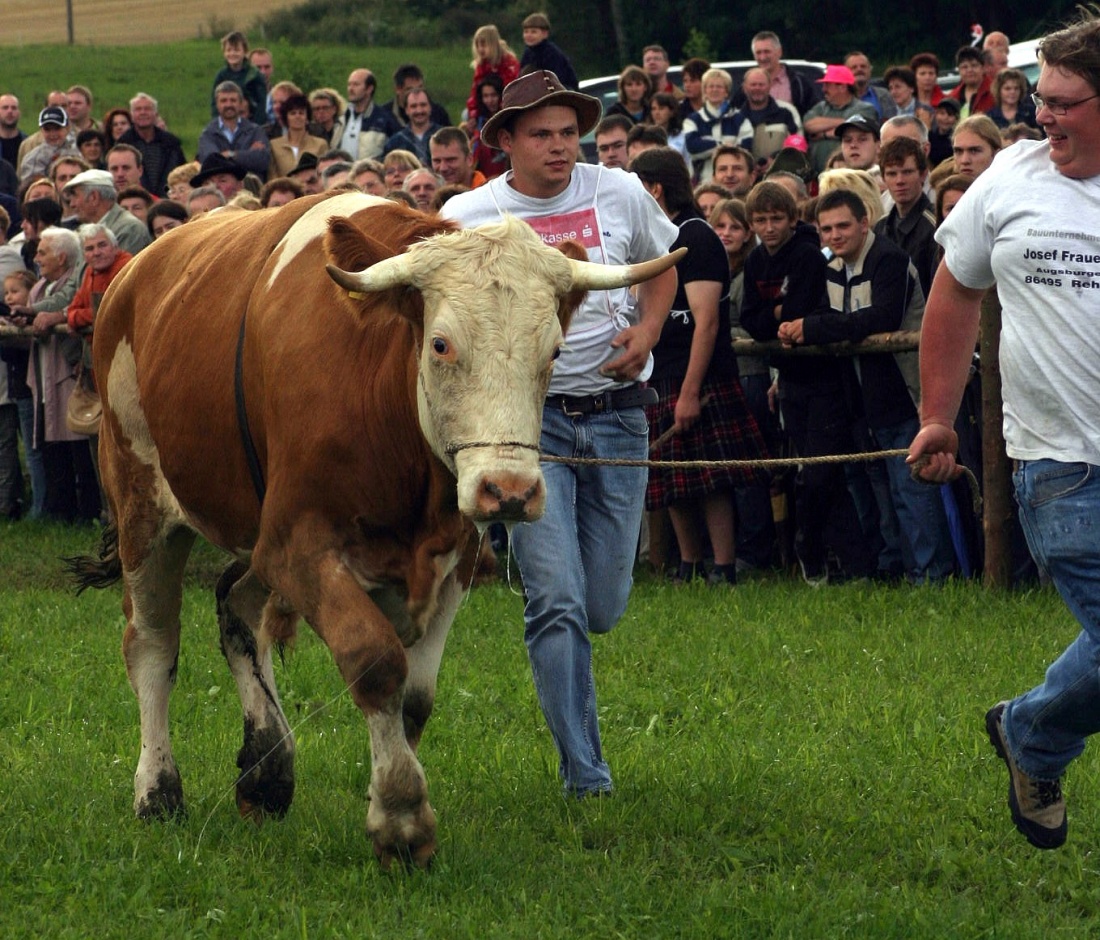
x=706 y=260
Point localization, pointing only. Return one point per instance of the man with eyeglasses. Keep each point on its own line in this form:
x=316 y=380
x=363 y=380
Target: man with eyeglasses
x=1030 y=224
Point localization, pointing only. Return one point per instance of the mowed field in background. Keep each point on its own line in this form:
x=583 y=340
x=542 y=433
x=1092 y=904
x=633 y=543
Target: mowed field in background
x=117 y=22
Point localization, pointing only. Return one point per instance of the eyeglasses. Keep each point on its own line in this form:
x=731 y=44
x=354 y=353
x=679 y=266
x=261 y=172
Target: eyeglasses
x=1059 y=108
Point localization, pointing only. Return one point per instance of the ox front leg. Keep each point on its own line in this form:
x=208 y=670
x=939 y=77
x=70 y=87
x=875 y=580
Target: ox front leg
x=250 y=623
x=150 y=648
x=424 y=659
x=373 y=664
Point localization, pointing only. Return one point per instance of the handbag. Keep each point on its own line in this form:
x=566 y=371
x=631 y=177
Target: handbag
x=84 y=410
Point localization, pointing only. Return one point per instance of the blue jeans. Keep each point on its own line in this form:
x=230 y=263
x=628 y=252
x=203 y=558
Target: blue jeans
x=35 y=464
x=1059 y=505
x=577 y=566
x=926 y=546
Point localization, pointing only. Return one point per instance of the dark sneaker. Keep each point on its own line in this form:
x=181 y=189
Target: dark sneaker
x=722 y=576
x=1038 y=808
x=814 y=575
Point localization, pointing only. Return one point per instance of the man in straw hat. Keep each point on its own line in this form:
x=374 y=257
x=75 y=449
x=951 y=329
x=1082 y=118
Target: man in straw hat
x=577 y=560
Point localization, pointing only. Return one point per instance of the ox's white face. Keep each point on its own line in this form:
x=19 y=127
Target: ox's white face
x=485 y=366
x=487 y=348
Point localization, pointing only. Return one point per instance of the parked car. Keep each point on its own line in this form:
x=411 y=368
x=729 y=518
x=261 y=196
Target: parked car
x=606 y=88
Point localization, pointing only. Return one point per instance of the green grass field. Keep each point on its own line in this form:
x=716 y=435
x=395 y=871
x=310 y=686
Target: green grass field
x=180 y=75
x=788 y=763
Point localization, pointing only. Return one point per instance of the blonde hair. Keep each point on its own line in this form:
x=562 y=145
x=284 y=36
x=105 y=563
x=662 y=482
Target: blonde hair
x=245 y=200
x=719 y=75
x=498 y=48
x=26 y=279
x=333 y=95
x=982 y=126
x=405 y=159
x=859 y=182
x=184 y=173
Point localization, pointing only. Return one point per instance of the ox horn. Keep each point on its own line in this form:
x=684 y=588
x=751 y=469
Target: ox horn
x=588 y=275
x=379 y=276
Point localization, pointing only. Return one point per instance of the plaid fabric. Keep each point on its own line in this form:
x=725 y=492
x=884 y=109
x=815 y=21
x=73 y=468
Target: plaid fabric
x=726 y=430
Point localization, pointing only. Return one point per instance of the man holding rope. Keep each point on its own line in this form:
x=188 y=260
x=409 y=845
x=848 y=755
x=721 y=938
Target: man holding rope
x=1029 y=224
x=577 y=560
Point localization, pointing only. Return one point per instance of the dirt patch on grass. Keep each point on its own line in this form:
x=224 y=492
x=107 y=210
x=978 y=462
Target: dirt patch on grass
x=120 y=22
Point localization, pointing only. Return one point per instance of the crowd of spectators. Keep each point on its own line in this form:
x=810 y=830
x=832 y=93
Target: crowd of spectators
x=822 y=197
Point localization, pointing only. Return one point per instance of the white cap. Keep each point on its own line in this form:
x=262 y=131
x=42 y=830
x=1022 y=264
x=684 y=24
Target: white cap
x=92 y=177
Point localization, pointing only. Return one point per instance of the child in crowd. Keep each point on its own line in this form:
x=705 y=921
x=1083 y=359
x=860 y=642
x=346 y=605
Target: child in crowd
x=491 y=57
x=13 y=372
x=785 y=278
x=945 y=117
x=247 y=77
x=17 y=288
x=541 y=53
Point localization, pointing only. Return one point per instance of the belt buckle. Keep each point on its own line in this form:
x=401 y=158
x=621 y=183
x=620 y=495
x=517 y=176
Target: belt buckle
x=566 y=410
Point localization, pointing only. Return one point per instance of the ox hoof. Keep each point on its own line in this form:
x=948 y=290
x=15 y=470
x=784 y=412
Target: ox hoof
x=163 y=801
x=410 y=856
x=406 y=835
x=259 y=796
x=266 y=784
x=270 y=798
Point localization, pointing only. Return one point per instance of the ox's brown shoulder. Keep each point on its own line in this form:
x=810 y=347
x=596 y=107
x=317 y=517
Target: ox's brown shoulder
x=389 y=228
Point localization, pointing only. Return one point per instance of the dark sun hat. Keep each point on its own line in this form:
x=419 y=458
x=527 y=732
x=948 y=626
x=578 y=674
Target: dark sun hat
x=540 y=89
x=215 y=163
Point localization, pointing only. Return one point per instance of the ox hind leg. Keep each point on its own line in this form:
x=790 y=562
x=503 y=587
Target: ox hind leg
x=251 y=621
x=150 y=648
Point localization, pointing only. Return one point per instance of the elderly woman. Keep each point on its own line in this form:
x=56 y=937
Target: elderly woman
x=72 y=492
x=711 y=125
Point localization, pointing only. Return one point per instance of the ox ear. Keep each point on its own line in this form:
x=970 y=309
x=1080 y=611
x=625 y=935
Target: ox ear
x=349 y=248
x=568 y=304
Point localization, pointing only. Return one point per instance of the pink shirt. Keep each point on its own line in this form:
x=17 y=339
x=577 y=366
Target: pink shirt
x=781 y=85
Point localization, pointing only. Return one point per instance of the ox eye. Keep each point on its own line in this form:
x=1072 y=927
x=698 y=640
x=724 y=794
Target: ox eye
x=554 y=355
x=443 y=350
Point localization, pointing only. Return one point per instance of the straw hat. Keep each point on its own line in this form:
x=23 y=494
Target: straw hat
x=540 y=89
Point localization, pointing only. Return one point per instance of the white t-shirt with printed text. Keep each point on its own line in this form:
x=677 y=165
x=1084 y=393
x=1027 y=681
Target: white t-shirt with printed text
x=1036 y=233
x=617 y=221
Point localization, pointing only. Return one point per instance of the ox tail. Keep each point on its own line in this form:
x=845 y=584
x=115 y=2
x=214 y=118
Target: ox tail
x=97 y=572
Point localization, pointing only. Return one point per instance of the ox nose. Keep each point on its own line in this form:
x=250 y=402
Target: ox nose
x=510 y=498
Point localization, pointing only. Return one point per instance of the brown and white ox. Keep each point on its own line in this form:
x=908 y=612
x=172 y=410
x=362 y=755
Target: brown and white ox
x=390 y=408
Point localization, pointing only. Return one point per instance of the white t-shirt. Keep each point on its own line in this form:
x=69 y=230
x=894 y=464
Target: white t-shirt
x=617 y=221
x=1036 y=233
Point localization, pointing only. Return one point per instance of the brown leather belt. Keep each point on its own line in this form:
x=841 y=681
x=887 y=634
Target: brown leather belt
x=633 y=396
